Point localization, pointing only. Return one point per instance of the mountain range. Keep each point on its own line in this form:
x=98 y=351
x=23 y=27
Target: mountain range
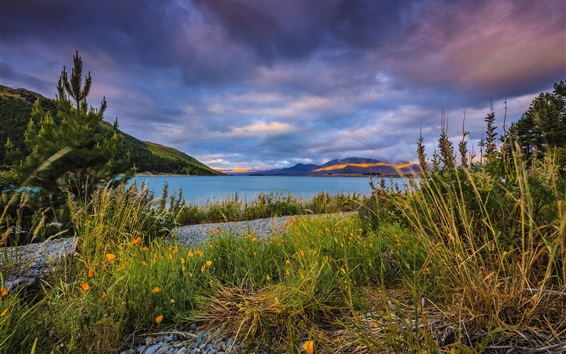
x=352 y=166
x=147 y=157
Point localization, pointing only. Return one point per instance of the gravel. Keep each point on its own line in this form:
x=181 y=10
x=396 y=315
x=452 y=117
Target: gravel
x=28 y=263
x=262 y=228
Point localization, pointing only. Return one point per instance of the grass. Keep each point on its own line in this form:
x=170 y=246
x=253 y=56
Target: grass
x=470 y=260
x=236 y=208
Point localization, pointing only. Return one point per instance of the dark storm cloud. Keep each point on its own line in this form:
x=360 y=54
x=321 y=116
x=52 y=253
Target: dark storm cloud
x=258 y=83
x=297 y=29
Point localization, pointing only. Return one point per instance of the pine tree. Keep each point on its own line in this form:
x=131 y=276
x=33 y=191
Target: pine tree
x=445 y=146
x=543 y=126
x=78 y=153
x=491 y=135
x=463 y=145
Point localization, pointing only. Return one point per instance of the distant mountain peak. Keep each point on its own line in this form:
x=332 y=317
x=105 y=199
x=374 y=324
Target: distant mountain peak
x=351 y=166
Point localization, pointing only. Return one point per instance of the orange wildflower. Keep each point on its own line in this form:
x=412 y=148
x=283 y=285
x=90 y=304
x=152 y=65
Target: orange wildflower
x=110 y=256
x=268 y=277
x=3 y=291
x=191 y=254
x=159 y=318
x=90 y=273
x=287 y=272
x=104 y=296
x=308 y=346
x=144 y=263
x=209 y=263
x=145 y=249
x=156 y=290
x=85 y=286
x=136 y=241
x=4 y=313
x=182 y=260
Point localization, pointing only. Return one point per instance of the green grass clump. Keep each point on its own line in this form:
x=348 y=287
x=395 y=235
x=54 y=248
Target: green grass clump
x=266 y=206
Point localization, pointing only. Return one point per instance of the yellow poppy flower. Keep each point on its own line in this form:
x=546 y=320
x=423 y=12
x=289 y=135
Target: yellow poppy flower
x=110 y=256
x=159 y=318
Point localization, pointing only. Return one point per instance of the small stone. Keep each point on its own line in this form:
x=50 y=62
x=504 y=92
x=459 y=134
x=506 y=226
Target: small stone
x=182 y=351
x=153 y=349
x=163 y=350
x=129 y=351
x=193 y=326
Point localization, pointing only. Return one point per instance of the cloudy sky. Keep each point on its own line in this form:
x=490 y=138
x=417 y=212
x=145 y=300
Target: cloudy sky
x=262 y=84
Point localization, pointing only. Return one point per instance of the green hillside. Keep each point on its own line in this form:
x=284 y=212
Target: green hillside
x=15 y=112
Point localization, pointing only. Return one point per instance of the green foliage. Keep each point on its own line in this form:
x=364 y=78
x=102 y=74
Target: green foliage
x=19 y=320
x=16 y=110
x=265 y=206
x=87 y=151
x=496 y=229
x=543 y=125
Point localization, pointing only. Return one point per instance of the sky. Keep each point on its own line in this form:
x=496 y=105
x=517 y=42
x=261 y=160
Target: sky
x=249 y=84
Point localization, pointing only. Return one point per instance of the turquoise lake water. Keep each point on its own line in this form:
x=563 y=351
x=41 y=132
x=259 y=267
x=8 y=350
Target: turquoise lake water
x=200 y=189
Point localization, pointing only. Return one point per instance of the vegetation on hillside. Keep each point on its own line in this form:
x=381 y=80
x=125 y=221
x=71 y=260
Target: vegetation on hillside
x=16 y=109
x=75 y=154
x=471 y=258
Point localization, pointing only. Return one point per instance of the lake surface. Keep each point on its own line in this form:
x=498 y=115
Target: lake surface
x=200 y=189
